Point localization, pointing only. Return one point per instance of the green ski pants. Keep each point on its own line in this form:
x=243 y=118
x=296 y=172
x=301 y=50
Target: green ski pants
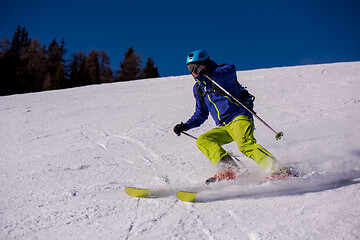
x=241 y=131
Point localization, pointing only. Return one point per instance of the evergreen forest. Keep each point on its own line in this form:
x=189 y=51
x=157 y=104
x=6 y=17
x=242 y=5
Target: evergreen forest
x=27 y=65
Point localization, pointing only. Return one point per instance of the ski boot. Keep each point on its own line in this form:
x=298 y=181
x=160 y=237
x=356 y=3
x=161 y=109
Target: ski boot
x=230 y=171
x=283 y=173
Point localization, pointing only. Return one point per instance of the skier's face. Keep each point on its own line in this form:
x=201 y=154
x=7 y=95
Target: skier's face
x=194 y=75
x=192 y=68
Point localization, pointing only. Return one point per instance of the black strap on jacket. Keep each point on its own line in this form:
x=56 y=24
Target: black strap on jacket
x=245 y=97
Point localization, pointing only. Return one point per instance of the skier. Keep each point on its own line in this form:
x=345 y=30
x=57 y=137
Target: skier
x=235 y=123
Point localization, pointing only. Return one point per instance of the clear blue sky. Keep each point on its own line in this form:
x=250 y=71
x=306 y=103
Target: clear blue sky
x=250 y=34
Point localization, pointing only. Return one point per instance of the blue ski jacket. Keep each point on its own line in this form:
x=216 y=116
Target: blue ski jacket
x=223 y=109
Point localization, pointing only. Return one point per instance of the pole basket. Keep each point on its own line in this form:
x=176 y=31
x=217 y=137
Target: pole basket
x=279 y=135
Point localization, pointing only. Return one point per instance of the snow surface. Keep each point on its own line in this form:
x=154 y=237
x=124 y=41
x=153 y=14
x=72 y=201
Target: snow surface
x=66 y=157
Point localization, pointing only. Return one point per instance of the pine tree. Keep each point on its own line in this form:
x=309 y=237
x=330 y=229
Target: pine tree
x=34 y=69
x=150 y=70
x=55 y=68
x=73 y=70
x=83 y=73
x=4 y=47
x=11 y=64
x=130 y=67
x=92 y=67
x=77 y=71
x=5 y=83
x=106 y=73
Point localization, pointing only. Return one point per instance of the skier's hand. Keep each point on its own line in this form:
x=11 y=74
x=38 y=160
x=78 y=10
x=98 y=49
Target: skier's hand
x=202 y=70
x=180 y=128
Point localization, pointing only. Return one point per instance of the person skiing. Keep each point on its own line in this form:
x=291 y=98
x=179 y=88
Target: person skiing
x=234 y=122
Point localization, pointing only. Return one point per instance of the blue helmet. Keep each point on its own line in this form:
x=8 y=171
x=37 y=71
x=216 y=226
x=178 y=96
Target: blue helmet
x=197 y=56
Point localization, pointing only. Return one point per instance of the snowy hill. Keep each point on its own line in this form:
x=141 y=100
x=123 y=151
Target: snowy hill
x=67 y=155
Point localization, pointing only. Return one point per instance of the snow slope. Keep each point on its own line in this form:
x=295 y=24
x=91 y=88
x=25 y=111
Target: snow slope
x=67 y=155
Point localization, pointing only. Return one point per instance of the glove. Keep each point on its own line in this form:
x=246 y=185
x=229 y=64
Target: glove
x=202 y=70
x=180 y=128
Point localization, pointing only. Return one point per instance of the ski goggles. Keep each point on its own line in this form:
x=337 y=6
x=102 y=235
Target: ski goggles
x=192 y=67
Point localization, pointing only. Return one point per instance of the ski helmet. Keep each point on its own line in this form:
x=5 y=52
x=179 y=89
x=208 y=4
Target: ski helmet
x=197 y=56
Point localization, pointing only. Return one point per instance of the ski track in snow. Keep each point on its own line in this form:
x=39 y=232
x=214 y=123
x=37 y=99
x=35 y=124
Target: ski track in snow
x=66 y=157
x=111 y=142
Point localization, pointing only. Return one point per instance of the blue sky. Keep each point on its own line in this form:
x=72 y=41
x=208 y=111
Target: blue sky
x=250 y=34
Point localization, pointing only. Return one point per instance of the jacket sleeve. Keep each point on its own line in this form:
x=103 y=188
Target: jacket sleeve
x=224 y=73
x=201 y=113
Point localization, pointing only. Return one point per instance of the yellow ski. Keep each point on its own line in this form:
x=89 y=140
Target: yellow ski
x=186 y=196
x=138 y=192
x=155 y=193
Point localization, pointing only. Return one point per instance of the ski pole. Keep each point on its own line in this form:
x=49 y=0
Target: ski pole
x=189 y=135
x=278 y=134
x=241 y=163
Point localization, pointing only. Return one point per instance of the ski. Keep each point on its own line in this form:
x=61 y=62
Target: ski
x=183 y=195
x=186 y=196
x=138 y=192
x=157 y=192
x=147 y=192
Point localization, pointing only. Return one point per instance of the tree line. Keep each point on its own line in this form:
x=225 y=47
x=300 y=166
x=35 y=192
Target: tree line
x=26 y=65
